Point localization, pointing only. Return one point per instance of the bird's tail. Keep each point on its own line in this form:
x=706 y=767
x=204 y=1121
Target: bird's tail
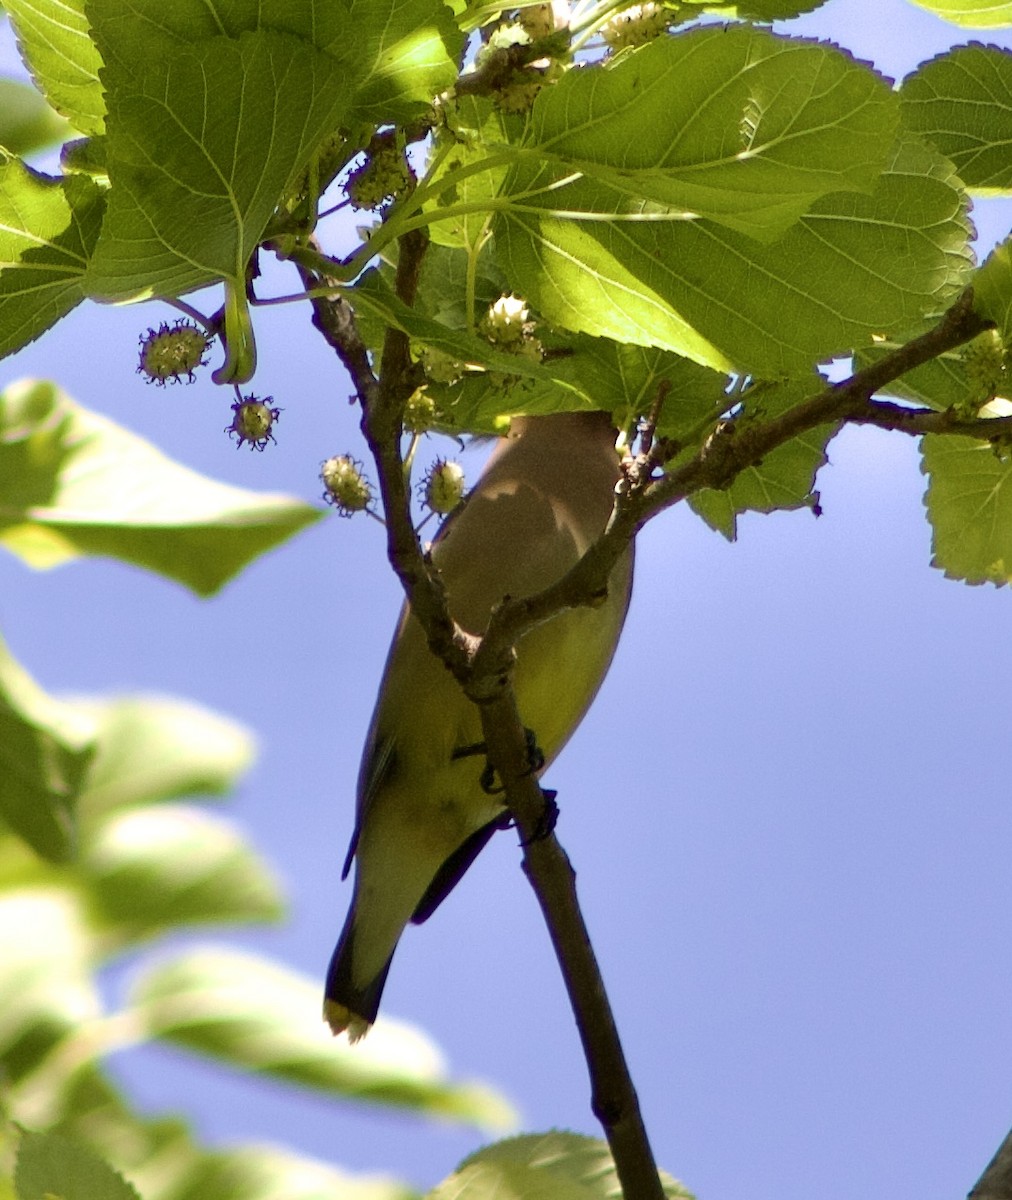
x=347 y=1006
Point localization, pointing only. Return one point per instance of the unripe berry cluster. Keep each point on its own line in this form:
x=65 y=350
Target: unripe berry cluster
x=442 y=489
x=385 y=175
x=985 y=363
x=636 y=25
x=253 y=422
x=345 y=486
x=172 y=352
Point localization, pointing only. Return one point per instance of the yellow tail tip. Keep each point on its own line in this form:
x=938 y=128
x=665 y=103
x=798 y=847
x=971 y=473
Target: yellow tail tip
x=342 y=1019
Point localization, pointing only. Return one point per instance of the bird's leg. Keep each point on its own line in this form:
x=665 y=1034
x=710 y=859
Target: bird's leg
x=535 y=761
x=546 y=822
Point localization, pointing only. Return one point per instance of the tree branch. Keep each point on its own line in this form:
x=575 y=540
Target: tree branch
x=996 y=1182
x=734 y=446
x=551 y=875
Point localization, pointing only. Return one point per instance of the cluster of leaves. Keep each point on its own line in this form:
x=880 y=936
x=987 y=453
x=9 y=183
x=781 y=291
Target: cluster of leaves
x=101 y=854
x=663 y=230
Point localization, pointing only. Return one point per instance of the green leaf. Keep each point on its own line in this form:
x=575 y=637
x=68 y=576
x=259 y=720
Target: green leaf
x=776 y=10
x=45 y=748
x=961 y=102
x=268 y=1173
x=938 y=384
x=543 y=1166
x=992 y=288
x=153 y=748
x=48 y=229
x=201 y=148
x=158 y=1155
x=969 y=505
x=854 y=268
x=395 y=55
x=628 y=378
x=45 y=955
x=55 y=42
x=785 y=479
x=478 y=128
x=374 y=294
x=408 y=51
x=51 y=1167
x=26 y=121
x=790 y=122
x=74 y=483
x=971 y=14
x=151 y=869
x=265 y=1018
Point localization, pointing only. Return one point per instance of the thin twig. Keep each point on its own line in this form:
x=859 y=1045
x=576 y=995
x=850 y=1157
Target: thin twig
x=548 y=869
x=996 y=1182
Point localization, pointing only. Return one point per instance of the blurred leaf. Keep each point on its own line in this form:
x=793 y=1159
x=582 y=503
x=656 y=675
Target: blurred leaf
x=51 y=1167
x=971 y=14
x=73 y=483
x=157 y=1155
x=785 y=478
x=46 y=991
x=542 y=1166
x=969 y=503
x=45 y=748
x=27 y=122
x=961 y=102
x=54 y=42
x=268 y=1173
x=265 y=1018
x=152 y=748
x=48 y=229
x=150 y=869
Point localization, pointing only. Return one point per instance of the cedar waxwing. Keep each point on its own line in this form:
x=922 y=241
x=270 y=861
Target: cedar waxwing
x=423 y=815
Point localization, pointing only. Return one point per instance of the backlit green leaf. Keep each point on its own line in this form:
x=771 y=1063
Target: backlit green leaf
x=265 y=1018
x=155 y=868
x=201 y=147
x=48 y=229
x=852 y=269
x=789 y=122
x=46 y=950
x=971 y=14
x=74 y=483
x=785 y=479
x=992 y=288
x=153 y=748
x=45 y=748
x=54 y=40
x=269 y=1173
x=26 y=121
x=961 y=102
x=52 y=1167
x=969 y=505
x=560 y=1165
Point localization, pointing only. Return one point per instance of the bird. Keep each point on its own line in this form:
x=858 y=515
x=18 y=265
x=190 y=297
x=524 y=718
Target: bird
x=424 y=809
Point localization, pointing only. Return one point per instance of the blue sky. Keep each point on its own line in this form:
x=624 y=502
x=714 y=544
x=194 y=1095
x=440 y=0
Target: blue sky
x=788 y=809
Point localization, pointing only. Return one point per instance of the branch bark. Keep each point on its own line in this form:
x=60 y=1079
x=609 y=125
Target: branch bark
x=996 y=1182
